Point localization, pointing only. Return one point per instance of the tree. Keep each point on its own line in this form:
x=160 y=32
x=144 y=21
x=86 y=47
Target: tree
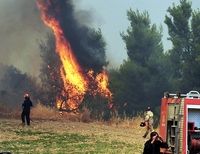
x=87 y=44
x=140 y=81
x=50 y=72
x=183 y=30
x=195 y=57
x=127 y=87
x=52 y=84
x=142 y=40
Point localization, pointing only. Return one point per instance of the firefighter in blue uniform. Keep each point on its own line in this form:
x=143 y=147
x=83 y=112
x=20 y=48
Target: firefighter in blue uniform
x=26 y=108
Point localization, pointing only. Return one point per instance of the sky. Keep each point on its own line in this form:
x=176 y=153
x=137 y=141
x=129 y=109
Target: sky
x=21 y=28
x=111 y=17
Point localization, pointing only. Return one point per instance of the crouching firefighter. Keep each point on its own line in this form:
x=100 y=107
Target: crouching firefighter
x=26 y=108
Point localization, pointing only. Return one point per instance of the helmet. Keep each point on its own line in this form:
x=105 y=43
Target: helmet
x=26 y=95
x=148 y=108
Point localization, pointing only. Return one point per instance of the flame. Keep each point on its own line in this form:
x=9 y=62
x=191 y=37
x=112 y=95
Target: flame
x=102 y=83
x=75 y=83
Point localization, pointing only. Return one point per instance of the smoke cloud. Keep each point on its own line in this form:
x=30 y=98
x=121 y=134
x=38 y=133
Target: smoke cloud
x=21 y=29
x=87 y=44
x=14 y=84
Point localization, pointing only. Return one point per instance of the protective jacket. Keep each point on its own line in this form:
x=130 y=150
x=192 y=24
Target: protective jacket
x=26 y=105
x=149 y=117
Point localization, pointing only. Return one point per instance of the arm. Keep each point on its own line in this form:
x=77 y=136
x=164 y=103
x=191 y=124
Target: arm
x=162 y=143
x=23 y=105
x=30 y=103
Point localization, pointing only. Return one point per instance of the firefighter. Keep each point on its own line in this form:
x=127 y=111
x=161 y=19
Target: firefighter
x=148 y=119
x=26 y=108
x=154 y=144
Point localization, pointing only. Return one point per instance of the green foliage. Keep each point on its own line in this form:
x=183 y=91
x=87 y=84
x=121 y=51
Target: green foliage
x=142 y=40
x=129 y=87
x=183 y=26
x=140 y=81
x=97 y=106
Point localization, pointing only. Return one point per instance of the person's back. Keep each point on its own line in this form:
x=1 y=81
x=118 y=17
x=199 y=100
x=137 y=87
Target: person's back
x=148 y=119
x=27 y=104
x=26 y=108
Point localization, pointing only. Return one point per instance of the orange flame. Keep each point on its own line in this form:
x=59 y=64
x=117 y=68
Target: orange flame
x=102 y=83
x=75 y=84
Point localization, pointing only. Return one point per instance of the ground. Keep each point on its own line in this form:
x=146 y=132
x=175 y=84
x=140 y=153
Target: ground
x=64 y=136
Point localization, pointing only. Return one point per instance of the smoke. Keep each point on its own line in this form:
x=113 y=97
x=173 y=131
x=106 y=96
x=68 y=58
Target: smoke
x=21 y=29
x=87 y=44
x=14 y=84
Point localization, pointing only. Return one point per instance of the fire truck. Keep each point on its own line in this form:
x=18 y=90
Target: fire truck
x=180 y=122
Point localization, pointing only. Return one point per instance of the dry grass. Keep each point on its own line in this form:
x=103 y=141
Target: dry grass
x=126 y=122
x=49 y=126
x=46 y=113
x=43 y=112
x=126 y=137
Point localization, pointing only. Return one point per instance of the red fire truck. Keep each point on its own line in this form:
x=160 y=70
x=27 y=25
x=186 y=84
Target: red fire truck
x=180 y=122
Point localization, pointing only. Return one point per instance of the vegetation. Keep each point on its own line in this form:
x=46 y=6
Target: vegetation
x=68 y=137
x=149 y=71
x=141 y=79
x=51 y=132
x=14 y=84
x=50 y=73
x=183 y=26
x=139 y=82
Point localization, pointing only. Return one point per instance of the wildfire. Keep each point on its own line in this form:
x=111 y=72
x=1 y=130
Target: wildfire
x=74 y=81
x=101 y=81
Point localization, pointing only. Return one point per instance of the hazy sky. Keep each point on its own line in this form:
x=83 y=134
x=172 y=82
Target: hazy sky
x=21 y=27
x=111 y=17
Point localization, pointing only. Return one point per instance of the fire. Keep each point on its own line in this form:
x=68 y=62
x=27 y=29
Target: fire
x=74 y=81
x=101 y=81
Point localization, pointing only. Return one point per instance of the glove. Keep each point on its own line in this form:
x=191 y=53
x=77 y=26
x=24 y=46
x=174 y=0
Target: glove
x=142 y=124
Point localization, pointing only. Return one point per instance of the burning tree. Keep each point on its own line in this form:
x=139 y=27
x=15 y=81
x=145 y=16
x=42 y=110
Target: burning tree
x=50 y=75
x=73 y=73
